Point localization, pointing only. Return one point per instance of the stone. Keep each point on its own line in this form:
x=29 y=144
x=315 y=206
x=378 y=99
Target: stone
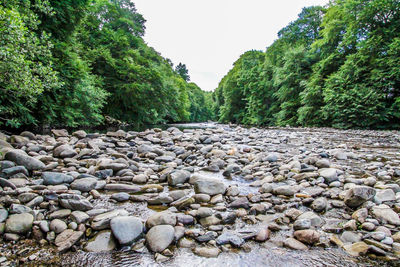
x=19 y=223
x=58 y=226
x=60 y=132
x=231 y=238
x=350 y=237
x=241 y=202
x=314 y=218
x=3 y=215
x=385 y=214
x=208 y=252
x=123 y=187
x=120 y=197
x=294 y=244
x=178 y=177
x=160 y=237
x=263 y=235
x=15 y=170
x=358 y=195
x=356 y=249
x=79 y=216
x=285 y=190
x=302 y=224
x=74 y=202
x=103 y=241
x=102 y=221
x=64 y=151
x=360 y=215
x=307 y=236
x=67 y=239
x=56 y=178
x=79 y=134
x=21 y=158
x=204 y=212
x=330 y=175
x=209 y=186
x=160 y=218
x=84 y=184
x=319 y=204
x=384 y=195
x=59 y=214
x=126 y=229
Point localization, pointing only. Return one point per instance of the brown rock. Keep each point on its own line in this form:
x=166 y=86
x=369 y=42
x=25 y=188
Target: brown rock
x=307 y=236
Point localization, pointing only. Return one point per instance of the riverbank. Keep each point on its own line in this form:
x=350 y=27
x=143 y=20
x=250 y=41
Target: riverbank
x=209 y=195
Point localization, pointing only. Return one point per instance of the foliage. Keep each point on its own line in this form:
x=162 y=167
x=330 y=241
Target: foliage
x=334 y=66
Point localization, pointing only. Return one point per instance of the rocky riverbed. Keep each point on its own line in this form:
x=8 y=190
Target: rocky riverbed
x=216 y=196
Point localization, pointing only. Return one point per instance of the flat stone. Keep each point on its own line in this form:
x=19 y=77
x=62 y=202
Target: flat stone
x=160 y=218
x=314 y=218
x=307 y=236
x=356 y=249
x=231 y=238
x=208 y=252
x=79 y=216
x=67 y=239
x=386 y=214
x=84 y=184
x=209 y=186
x=178 y=177
x=384 y=195
x=120 y=197
x=294 y=244
x=123 y=187
x=103 y=241
x=56 y=178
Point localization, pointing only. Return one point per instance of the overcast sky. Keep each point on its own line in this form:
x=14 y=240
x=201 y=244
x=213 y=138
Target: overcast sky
x=210 y=35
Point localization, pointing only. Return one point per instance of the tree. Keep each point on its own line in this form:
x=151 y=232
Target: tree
x=182 y=71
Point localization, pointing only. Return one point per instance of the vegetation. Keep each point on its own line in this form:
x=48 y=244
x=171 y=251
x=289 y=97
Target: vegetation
x=71 y=62
x=334 y=66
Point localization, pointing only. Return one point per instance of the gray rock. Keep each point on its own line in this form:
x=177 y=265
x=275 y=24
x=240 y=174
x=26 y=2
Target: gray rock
x=120 y=197
x=103 y=241
x=67 y=239
x=159 y=218
x=314 y=218
x=294 y=244
x=178 y=177
x=302 y=224
x=159 y=237
x=60 y=132
x=79 y=216
x=330 y=175
x=384 y=195
x=56 y=178
x=58 y=226
x=126 y=229
x=386 y=214
x=74 y=202
x=102 y=221
x=64 y=151
x=358 y=195
x=350 y=237
x=232 y=238
x=272 y=157
x=3 y=215
x=21 y=158
x=286 y=190
x=319 y=204
x=208 y=252
x=19 y=223
x=123 y=187
x=15 y=170
x=209 y=186
x=84 y=184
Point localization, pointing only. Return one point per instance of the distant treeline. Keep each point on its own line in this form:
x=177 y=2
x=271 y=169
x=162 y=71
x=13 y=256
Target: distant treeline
x=70 y=62
x=334 y=66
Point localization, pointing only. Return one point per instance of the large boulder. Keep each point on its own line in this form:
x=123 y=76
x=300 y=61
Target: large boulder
x=358 y=195
x=126 y=229
x=19 y=223
x=21 y=158
x=160 y=237
x=209 y=186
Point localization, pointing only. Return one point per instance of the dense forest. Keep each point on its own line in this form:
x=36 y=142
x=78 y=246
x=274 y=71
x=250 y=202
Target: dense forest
x=335 y=66
x=74 y=62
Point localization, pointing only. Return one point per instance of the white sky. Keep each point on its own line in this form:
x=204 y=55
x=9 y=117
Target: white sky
x=210 y=35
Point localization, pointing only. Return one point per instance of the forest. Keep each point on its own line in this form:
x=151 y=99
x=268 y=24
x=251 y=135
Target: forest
x=71 y=63
x=335 y=66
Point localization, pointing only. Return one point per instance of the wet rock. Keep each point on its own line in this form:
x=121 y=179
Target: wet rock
x=159 y=218
x=263 y=235
x=126 y=229
x=314 y=218
x=21 y=158
x=15 y=170
x=302 y=224
x=104 y=174
x=350 y=237
x=19 y=223
x=59 y=214
x=160 y=237
x=330 y=175
x=385 y=214
x=357 y=195
x=103 y=241
x=241 y=202
x=56 y=178
x=307 y=236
